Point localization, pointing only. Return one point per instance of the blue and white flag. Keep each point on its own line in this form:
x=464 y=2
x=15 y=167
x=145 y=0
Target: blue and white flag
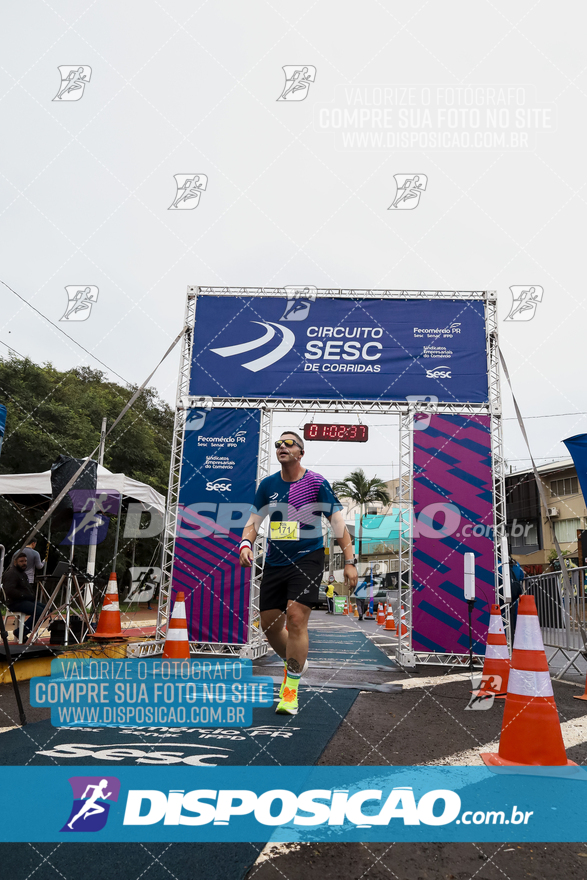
x=577 y=446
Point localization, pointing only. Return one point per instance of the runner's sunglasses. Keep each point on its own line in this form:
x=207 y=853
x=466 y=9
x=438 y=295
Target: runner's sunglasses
x=287 y=442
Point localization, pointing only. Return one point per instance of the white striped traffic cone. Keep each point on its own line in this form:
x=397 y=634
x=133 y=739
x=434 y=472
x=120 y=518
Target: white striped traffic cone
x=402 y=628
x=389 y=621
x=496 y=668
x=177 y=643
x=531 y=731
x=109 y=626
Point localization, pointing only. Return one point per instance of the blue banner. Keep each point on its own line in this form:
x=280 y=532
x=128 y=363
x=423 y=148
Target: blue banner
x=353 y=349
x=333 y=804
x=577 y=446
x=217 y=487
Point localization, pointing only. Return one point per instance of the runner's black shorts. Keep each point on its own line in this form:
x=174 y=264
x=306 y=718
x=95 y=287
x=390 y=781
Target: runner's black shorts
x=299 y=582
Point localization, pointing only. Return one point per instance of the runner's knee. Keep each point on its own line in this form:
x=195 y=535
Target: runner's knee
x=297 y=618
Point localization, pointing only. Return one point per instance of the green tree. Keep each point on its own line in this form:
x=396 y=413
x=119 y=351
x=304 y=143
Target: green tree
x=53 y=412
x=357 y=488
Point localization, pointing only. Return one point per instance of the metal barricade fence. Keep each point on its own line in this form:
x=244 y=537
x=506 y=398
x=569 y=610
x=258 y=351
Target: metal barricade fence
x=563 y=619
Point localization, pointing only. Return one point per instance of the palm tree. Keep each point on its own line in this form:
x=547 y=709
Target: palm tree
x=356 y=487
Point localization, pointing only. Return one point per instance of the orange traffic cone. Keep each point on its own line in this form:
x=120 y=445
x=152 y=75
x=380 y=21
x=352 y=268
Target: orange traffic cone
x=380 y=615
x=346 y=605
x=109 y=623
x=177 y=643
x=584 y=694
x=356 y=611
x=496 y=668
x=389 y=621
x=531 y=731
x=402 y=629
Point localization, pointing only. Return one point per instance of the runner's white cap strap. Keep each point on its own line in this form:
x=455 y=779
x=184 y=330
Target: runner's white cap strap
x=529 y=684
x=528 y=636
x=497 y=652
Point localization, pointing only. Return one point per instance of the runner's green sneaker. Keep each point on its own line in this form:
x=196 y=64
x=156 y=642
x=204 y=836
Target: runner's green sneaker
x=303 y=672
x=288 y=705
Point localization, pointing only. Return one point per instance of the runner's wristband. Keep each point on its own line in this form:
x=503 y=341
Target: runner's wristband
x=245 y=543
x=349 y=562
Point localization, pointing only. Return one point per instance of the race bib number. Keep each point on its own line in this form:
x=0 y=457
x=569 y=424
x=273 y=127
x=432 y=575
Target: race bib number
x=285 y=531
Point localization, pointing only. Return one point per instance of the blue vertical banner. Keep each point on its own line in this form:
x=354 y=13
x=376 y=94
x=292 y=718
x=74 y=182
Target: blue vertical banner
x=577 y=446
x=2 y=423
x=217 y=487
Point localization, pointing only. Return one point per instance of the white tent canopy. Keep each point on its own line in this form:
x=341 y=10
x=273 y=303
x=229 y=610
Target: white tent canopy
x=40 y=484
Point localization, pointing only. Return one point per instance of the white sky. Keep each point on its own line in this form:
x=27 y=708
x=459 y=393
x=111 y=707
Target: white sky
x=178 y=87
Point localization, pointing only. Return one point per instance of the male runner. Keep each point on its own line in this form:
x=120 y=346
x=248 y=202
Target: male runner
x=294 y=500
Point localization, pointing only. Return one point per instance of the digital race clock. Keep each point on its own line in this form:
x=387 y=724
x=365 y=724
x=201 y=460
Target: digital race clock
x=354 y=433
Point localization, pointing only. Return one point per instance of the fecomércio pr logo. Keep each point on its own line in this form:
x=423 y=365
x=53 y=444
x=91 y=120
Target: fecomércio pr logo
x=92 y=797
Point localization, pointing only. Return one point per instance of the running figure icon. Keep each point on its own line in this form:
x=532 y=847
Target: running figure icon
x=73 y=82
x=297 y=82
x=91 y=808
x=409 y=190
x=189 y=189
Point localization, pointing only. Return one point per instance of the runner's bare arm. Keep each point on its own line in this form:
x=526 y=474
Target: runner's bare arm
x=345 y=543
x=249 y=534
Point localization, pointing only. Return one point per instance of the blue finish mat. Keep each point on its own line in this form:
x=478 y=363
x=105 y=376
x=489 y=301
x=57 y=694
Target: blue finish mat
x=272 y=740
x=343 y=646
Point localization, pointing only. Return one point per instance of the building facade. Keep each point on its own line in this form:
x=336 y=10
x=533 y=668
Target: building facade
x=531 y=528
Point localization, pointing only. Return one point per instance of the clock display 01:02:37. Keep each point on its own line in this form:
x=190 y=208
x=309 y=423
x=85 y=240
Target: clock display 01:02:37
x=352 y=433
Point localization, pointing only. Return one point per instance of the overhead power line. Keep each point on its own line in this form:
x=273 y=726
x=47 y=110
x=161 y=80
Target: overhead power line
x=61 y=330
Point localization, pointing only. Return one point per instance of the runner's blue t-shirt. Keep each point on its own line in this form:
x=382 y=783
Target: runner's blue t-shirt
x=296 y=502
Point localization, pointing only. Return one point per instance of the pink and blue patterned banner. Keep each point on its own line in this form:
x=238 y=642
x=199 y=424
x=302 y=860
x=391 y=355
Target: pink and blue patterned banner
x=452 y=470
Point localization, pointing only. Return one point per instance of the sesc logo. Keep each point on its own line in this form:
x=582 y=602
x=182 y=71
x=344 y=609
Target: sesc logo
x=439 y=373
x=218 y=487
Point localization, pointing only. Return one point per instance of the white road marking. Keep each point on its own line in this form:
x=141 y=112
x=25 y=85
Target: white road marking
x=574 y=733
x=433 y=681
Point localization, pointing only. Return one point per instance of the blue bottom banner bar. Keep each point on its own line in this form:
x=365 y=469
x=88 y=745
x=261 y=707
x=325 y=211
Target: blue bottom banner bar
x=334 y=804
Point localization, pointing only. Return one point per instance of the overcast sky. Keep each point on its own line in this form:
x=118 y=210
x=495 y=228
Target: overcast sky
x=182 y=88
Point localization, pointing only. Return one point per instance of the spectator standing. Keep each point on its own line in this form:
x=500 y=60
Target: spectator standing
x=517 y=575
x=361 y=596
x=34 y=561
x=330 y=596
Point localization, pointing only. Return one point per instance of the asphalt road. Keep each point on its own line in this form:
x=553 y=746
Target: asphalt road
x=424 y=723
